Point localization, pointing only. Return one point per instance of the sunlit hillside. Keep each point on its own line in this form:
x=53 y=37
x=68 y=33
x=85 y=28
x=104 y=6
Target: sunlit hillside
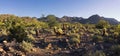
x=50 y=35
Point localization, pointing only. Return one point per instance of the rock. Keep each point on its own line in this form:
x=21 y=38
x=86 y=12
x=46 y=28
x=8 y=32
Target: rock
x=94 y=44
x=10 y=49
x=1 y=49
x=6 y=48
x=59 y=49
x=8 y=54
x=33 y=49
x=65 y=51
x=19 y=54
x=4 y=42
x=49 y=46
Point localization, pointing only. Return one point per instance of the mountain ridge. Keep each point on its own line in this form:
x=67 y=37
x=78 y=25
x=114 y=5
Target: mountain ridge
x=94 y=19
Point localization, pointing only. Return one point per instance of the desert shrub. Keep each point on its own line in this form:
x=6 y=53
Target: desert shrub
x=68 y=33
x=117 y=28
x=4 y=32
x=102 y=24
x=111 y=30
x=81 y=33
x=32 y=32
x=116 y=50
x=115 y=34
x=46 y=31
x=30 y=38
x=91 y=35
x=73 y=30
x=74 y=38
x=52 y=21
x=97 y=31
x=77 y=30
x=60 y=31
x=18 y=33
x=91 y=30
x=110 y=39
x=97 y=53
x=52 y=32
x=26 y=46
x=106 y=34
x=97 y=38
x=74 y=35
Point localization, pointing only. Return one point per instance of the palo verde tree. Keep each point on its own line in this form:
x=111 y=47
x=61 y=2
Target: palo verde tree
x=17 y=32
x=52 y=21
x=102 y=24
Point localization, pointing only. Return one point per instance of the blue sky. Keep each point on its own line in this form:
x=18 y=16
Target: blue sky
x=84 y=8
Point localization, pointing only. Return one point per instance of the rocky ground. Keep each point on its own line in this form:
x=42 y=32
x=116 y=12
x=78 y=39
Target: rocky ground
x=55 y=46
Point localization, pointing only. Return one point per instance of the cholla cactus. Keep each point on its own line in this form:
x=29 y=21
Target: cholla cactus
x=58 y=31
x=74 y=40
x=115 y=34
x=105 y=32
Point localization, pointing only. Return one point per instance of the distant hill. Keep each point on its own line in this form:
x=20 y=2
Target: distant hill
x=112 y=20
x=91 y=20
x=70 y=19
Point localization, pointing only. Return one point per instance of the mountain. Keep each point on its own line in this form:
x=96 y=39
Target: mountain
x=96 y=18
x=112 y=20
x=91 y=20
x=70 y=19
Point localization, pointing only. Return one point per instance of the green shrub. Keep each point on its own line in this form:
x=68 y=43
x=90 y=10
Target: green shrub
x=97 y=31
x=81 y=33
x=30 y=38
x=53 y=32
x=99 y=53
x=91 y=30
x=74 y=35
x=116 y=49
x=4 y=32
x=97 y=38
x=116 y=34
x=75 y=40
x=102 y=24
x=18 y=33
x=32 y=32
x=111 y=30
x=68 y=33
x=60 y=31
x=73 y=30
x=106 y=34
x=110 y=39
x=26 y=46
x=46 y=31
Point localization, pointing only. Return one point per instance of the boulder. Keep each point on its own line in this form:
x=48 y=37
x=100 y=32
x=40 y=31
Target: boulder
x=4 y=42
x=49 y=46
x=1 y=49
